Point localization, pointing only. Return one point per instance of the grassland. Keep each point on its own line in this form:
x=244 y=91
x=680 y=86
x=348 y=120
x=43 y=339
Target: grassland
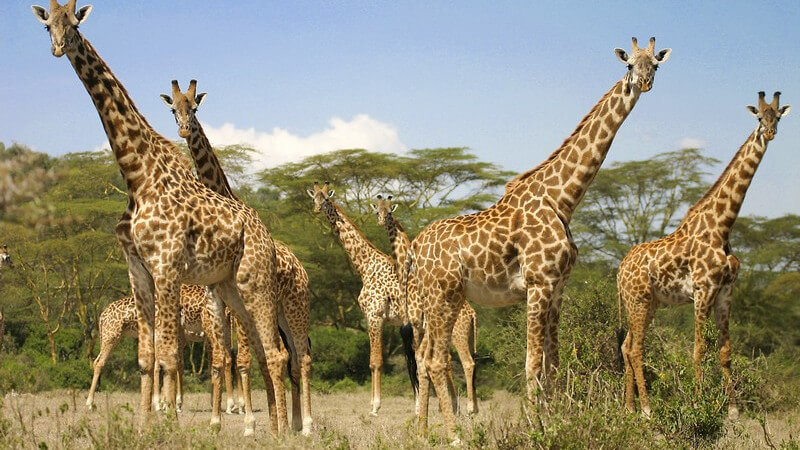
x=59 y=419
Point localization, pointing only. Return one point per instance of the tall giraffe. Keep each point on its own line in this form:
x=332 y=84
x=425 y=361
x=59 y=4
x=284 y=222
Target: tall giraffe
x=294 y=295
x=175 y=230
x=694 y=264
x=465 y=330
x=118 y=320
x=520 y=249
x=5 y=261
x=380 y=298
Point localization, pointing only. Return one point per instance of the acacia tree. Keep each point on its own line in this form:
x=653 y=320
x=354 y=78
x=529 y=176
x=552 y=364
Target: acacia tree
x=637 y=201
x=429 y=183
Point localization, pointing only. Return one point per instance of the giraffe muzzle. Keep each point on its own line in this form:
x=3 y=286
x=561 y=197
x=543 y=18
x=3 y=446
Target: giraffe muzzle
x=184 y=132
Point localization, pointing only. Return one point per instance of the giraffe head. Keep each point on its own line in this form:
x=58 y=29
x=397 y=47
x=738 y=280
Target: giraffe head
x=768 y=114
x=642 y=64
x=5 y=258
x=184 y=106
x=383 y=208
x=321 y=194
x=62 y=24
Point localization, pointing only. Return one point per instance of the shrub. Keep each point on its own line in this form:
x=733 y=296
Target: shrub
x=339 y=354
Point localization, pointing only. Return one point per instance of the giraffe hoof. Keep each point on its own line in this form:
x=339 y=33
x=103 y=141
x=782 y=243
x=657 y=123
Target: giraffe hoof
x=733 y=412
x=373 y=413
x=455 y=442
x=249 y=432
x=646 y=412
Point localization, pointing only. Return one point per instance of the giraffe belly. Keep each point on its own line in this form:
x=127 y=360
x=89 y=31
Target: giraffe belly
x=676 y=292
x=509 y=294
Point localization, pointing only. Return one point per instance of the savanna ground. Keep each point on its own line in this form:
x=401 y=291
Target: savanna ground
x=59 y=419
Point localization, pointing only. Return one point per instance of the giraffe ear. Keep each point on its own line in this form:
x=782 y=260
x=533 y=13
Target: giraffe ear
x=753 y=110
x=83 y=13
x=167 y=100
x=394 y=207
x=784 y=110
x=663 y=55
x=330 y=193
x=622 y=55
x=199 y=99
x=374 y=207
x=41 y=14
x=310 y=193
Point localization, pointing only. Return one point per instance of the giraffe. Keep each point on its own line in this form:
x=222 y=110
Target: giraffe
x=380 y=298
x=694 y=264
x=294 y=294
x=175 y=230
x=118 y=320
x=519 y=249
x=5 y=261
x=465 y=330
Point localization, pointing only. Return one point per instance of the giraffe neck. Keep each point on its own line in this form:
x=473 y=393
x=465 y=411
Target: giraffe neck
x=563 y=178
x=209 y=169
x=358 y=248
x=133 y=141
x=724 y=199
x=399 y=241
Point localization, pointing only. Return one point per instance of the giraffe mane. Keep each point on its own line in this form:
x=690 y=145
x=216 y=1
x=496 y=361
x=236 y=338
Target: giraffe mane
x=697 y=206
x=525 y=175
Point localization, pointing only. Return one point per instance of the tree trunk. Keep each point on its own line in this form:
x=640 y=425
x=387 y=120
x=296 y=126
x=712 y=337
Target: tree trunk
x=51 y=338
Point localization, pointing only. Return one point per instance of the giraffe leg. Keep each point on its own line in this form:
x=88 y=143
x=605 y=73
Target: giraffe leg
x=157 y=388
x=463 y=341
x=144 y=297
x=451 y=385
x=538 y=301
x=422 y=374
x=296 y=318
x=424 y=385
x=551 y=358
x=630 y=383
x=218 y=335
x=375 y=362
x=168 y=326
x=179 y=378
x=440 y=333
x=109 y=337
x=703 y=300
x=230 y=402
x=722 y=309
x=243 y=361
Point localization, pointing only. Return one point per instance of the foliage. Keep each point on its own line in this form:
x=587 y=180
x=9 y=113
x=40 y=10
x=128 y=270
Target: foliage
x=637 y=201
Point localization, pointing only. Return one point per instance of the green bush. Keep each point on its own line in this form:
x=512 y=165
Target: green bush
x=340 y=354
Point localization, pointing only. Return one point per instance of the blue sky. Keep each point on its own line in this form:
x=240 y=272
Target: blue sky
x=508 y=79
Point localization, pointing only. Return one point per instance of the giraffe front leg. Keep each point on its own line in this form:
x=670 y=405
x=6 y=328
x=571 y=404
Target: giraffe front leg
x=218 y=334
x=722 y=310
x=463 y=341
x=424 y=386
x=537 y=314
x=243 y=361
x=108 y=340
x=168 y=327
x=436 y=363
x=703 y=300
x=144 y=299
x=376 y=362
x=179 y=378
x=551 y=357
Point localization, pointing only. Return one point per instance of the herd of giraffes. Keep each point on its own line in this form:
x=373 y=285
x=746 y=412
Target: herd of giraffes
x=203 y=265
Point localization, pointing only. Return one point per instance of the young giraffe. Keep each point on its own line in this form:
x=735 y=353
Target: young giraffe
x=5 y=261
x=465 y=330
x=175 y=230
x=694 y=264
x=380 y=298
x=293 y=291
x=519 y=249
x=118 y=319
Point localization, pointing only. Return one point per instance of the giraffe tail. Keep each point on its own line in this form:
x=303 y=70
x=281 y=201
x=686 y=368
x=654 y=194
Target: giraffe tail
x=407 y=333
x=292 y=358
x=620 y=332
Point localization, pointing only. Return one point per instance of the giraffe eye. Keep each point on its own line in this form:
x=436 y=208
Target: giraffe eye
x=630 y=66
x=47 y=27
x=173 y=110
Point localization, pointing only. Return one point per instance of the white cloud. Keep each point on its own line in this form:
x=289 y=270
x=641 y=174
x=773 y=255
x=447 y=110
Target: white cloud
x=104 y=146
x=691 y=142
x=280 y=146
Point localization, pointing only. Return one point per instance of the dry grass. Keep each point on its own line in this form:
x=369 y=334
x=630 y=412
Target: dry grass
x=59 y=419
